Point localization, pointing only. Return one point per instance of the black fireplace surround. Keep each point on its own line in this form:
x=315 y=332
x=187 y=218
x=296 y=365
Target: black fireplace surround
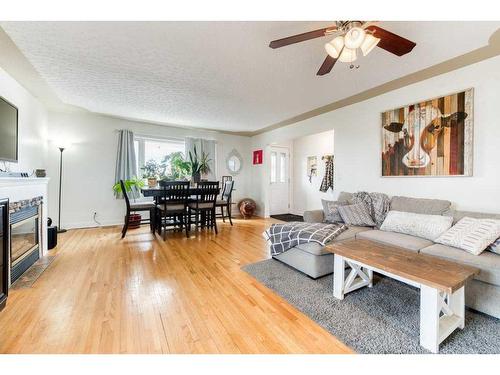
x=4 y=251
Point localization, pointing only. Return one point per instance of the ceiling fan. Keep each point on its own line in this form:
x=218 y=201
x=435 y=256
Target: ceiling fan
x=348 y=37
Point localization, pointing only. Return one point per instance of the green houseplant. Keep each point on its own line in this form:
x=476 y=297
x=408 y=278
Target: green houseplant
x=130 y=185
x=198 y=164
x=177 y=167
x=152 y=170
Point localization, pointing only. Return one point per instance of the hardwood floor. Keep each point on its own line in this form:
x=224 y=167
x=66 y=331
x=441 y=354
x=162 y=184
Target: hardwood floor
x=143 y=295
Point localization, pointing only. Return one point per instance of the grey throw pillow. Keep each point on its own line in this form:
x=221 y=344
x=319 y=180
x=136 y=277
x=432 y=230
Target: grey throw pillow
x=331 y=212
x=495 y=247
x=356 y=214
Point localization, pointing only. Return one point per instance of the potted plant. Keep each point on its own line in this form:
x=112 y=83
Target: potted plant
x=194 y=166
x=198 y=165
x=205 y=164
x=152 y=170
x=177 y=168
x=130 y=185
x=134 y=183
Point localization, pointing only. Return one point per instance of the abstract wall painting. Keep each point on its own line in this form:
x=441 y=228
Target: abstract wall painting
x=430 y=138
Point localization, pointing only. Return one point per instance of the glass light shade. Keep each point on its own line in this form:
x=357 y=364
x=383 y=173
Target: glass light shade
x=335 y=47
x=348 y=55
x=368 y=44
x=354 y=37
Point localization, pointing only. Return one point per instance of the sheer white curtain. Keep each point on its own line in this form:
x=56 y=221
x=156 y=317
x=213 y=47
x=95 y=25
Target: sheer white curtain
x=207 y=146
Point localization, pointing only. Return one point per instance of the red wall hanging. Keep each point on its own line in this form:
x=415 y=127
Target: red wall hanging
x=257 y=157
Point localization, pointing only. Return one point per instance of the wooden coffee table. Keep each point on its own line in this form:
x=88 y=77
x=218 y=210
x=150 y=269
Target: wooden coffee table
x=441 y=282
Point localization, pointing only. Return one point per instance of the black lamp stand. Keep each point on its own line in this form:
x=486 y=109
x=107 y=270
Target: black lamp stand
x=59 y=229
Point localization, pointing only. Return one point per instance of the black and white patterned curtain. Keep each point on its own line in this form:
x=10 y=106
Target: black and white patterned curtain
x=327 y=182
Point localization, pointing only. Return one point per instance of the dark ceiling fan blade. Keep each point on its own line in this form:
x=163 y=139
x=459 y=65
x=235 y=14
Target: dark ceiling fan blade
x=327 y=66
x=391 y=42
x=301 y=37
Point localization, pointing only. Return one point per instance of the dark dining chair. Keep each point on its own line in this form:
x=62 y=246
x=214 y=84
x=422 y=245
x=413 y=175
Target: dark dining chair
x=136 y=207
x=225 y=201
x=203 y=206
x=171 y=209
x=226 y=178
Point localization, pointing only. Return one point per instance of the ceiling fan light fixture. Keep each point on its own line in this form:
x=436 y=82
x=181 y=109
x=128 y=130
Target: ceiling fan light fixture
x=354 y=37
x=334 y=47
x=368 y=44
x=348 y=55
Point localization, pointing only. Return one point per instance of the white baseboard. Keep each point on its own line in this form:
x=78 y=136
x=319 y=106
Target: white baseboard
x=91 y=224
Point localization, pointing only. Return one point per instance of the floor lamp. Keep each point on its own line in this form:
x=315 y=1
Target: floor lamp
x=59 y=228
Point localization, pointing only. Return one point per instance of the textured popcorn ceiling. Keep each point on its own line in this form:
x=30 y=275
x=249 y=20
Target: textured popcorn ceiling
x=218 y=75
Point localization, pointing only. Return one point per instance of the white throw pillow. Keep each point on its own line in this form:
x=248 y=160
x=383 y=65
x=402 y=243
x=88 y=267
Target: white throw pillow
x=419 y=225
x=471 y=235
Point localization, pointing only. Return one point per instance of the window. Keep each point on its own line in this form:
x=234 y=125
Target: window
x=161 y=151
x=282 y=167
x=273 y=167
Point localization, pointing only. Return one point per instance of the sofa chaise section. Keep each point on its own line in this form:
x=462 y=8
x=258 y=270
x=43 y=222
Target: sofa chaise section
x=312 y=258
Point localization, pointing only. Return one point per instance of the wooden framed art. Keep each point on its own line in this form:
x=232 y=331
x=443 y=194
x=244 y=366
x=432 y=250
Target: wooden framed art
x=430 y=138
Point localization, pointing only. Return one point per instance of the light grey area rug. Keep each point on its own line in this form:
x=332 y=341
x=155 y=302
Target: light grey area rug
x=382 y=319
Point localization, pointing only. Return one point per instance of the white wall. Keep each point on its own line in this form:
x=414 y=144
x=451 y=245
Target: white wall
x=89 y=164
x=306 y=195
x=32 y=125
x=358 y=142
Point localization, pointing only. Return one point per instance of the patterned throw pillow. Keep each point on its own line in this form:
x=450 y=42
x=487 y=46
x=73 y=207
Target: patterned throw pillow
x=331 y=212
x=495 y=247
x=419 y=225
x=356 y=214
x=471 y=235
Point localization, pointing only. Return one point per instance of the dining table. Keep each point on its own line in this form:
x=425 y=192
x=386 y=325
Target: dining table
x=157 y=191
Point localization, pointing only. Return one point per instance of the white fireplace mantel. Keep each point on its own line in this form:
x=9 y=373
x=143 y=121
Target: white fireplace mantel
x=19 y=188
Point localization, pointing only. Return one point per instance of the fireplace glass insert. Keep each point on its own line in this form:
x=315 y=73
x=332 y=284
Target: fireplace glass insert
x=24 y=239
x=24 y=234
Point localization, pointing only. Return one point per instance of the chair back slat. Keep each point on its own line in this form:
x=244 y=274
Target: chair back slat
x=175 y=192
x=208 y=191
x=228 y=190
x=225 y=179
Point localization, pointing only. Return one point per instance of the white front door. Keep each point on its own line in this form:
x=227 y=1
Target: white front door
x=279 y=164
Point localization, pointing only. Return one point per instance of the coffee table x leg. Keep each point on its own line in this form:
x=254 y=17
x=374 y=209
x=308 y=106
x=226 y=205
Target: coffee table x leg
x=440 y=314
x=357 y=276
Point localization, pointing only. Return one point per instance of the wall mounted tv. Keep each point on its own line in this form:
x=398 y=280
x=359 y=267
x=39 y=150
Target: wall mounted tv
x=8 y=131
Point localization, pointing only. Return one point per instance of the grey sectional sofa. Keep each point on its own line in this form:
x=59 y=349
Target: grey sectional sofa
x=482 y=293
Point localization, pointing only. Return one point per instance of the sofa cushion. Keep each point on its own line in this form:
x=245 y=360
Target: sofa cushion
x=313 y=248
x=344 y=197
x=420 y=205
x=351 y=233
x=395 y=239
x=472 y=235
x=420 y=225
x=314 y=216
x=316 y=249
x=356 y=214
x=495 y=247
x=487 y=262
x=458 y=215
x=331 y=212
